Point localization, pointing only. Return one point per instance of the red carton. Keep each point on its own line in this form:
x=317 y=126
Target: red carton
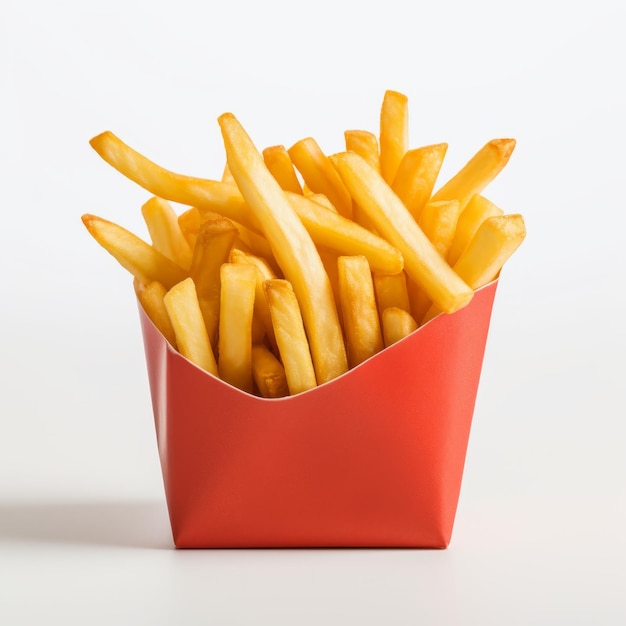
x=373 y=458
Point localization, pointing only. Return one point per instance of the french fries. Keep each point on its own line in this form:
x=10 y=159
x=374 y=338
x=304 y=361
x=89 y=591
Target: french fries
x=358 y=304
x=292 y=267
x=392 y=219
x=183 y=308
x=293 y=247
x=290 y=335
x=238 y=286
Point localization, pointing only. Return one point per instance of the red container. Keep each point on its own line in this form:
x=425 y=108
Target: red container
x=373 y=458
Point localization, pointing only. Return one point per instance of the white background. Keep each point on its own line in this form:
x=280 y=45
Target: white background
x=540 y=530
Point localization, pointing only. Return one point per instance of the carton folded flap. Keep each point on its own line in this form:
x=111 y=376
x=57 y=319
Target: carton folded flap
x=373 y=458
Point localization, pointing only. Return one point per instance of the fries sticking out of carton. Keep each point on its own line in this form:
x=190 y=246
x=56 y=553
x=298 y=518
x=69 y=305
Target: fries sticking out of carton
x=293 y=265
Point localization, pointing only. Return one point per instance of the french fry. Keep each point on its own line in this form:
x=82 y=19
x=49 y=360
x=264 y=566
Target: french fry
x=320 y=175
x=358 y=305
x=165 y=232
x=391 y=291
x=184 y=312
x=227 y=177
x=279 y=163
x=133 y=253
x=476 y=212
x=213 y=244
x=263 y=272
x=238 y=285
x=365 y=144
x=189 y=223
x=417 y=175
x=392 y=219
x=293 y=248
x=438 y=220
x=320 y=198
x=290 y=335
x=397 y=324
x=210 y=195
x=268 y=373
x=495 y=241
x=477 y=173
x=394 y=133
x=151 y=297
x=334 y=231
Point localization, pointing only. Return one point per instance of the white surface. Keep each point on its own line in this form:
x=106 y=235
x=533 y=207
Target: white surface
x=539 y=534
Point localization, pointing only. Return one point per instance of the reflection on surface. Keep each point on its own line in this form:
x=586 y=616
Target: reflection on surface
x=99 y=523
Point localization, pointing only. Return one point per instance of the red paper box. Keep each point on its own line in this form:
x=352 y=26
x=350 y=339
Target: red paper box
x=373 y=458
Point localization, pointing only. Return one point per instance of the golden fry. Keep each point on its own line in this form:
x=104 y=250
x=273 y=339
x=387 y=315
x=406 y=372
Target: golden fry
x=397 y=324
x=279 y=163
x=165 y=232
x=475 y=213
x=438 y=221
x=132 y=253
x=365 y=144
x=290 y=335
x=331 y=230
x=496 y=239
x=394 y=133
x=263 y=272
x=213 y=244
x=151 y=297
x=293 y=248
x=184 y=312
x=320 y=175
x=238 y=285
x=477 y=173
x=208 y=195
x=391 y=291
x=268 y=373
x=189 y=222
x=358 y=305
x=416 y=176
x=392 y=219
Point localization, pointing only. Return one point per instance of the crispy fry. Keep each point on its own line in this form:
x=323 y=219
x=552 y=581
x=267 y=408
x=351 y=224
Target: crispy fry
x=358 y=304
x=227 y=177
x=133 y=253
x=238 y=285
x=268 y=373
x=320 y=175
x=263 y=272
x=397 y=324
x=496 y=239
x=394 y=133
x=320 y=198
x=391 y=291
x=438 y=221
x=184 y=312
x=279 y=163
x=331 y=230
x=416 y=176
x=209 y=195
x=150 y=297
x=477 y=173
x=365 y=144
x=475 y=213
x=422 y=262
x=290 y=335
x=293 y=247
x=165 y=231
x=189 y=222
x=213 y=244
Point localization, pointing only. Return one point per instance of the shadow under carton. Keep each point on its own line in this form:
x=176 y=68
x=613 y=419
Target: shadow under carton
x=373 y=458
